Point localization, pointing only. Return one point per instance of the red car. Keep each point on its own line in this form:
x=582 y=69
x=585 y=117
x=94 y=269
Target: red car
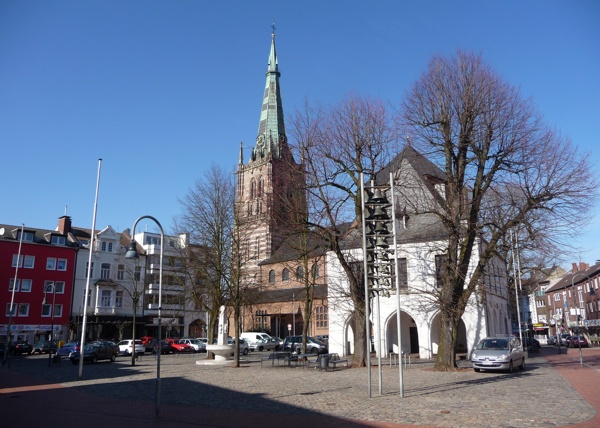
x=576 y=340
x=179 y=346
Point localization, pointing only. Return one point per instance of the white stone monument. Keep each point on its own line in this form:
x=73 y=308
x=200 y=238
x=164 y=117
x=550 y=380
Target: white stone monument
x=223 y=350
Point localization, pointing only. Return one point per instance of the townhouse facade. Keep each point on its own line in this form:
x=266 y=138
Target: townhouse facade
x=37 y=269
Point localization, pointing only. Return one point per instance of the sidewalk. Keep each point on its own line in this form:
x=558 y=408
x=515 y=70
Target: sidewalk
x=554 y=391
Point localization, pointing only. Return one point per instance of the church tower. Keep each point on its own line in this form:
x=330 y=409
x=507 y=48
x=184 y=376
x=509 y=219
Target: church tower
x=270 y=196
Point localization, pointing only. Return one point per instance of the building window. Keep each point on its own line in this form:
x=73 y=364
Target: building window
x=105 y=297
x=58 y=240
x=271 y=276
x=46 y=310
x=285 y=275
x=60 y=287
x=25 y=285
x=89 y=298
x=103 y=248
x=14 y=309
x=61 y=264
x=402 y=274
x=119 y=299
x=105 y=271
x=51 y=263
x=27 y=236
x=299 y=273
x=121 y=272
x=11 y=285
x=91 y=273
x=314 y=271
x=110 y=247
x=23 y=310
x=440 y=269
x=557 y=297
x=321 y=316
x=29 y=262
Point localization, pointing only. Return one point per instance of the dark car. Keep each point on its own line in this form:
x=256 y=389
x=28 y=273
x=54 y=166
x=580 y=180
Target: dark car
x=94 y=352
x=577 y=340
x=313 y=345
x=20 y=347
x=67 y=348
x=45 y=347
x=165 y=347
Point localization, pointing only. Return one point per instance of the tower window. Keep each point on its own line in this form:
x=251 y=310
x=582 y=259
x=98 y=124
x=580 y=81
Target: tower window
x=271 y=277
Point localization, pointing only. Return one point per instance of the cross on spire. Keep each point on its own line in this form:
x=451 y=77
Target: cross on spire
x=273 y=27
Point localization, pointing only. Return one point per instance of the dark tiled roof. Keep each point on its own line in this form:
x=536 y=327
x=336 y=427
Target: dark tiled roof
x=41 y=236
x=579 y=276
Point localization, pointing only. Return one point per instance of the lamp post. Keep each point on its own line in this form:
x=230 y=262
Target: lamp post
x=51 y=318
x=133 y=254
x=578 y=306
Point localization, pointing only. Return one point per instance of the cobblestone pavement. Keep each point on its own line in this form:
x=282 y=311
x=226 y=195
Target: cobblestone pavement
x=251 y=396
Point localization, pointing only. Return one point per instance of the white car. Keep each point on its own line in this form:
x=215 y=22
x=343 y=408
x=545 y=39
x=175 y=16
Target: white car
x=197 y=344
x=126 y=347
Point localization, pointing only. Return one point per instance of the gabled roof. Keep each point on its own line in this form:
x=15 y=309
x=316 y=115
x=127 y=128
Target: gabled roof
x=575 y=278
x=41 y=236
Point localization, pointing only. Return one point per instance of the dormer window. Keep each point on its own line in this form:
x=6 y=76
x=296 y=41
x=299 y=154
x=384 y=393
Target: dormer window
x=27 y=236
x=58 y=240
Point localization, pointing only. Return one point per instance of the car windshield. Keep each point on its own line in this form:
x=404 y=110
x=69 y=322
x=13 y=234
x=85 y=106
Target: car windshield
x=499 y=344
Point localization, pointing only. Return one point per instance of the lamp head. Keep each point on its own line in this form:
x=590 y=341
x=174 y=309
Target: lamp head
x=132 y=251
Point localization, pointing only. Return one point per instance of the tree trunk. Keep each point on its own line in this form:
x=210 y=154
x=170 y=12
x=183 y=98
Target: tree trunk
x=446 y=356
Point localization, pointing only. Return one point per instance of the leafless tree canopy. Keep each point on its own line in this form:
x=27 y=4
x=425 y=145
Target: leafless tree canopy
x=337 y=144
x=505 y=169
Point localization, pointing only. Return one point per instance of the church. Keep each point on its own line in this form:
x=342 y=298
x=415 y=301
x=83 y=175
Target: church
x=291 y=282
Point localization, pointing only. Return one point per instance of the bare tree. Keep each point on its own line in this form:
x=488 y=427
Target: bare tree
x=208 y=216
x=337 y=145
x=504 y=168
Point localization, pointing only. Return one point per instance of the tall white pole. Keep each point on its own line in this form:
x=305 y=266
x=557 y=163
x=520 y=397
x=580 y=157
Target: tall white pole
x=12 y=296
x=364 y=245
x=397 y=281
x=89 y=275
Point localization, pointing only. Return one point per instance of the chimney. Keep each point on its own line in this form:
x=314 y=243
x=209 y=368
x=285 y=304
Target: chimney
x=583 y=266
x=574 y=267
x=64 y=224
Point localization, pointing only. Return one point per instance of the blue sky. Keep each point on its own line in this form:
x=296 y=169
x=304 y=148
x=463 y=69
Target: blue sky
x=162 y=90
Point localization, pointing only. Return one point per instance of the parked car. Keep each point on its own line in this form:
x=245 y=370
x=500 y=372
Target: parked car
x=244 y=348
x=564 y=339
x=179 y=346
x=126 y=347
x=498 y=353
x=259 y=341
x=148 y=342
x=165 y=347
x=576 y=340
x=313 y=345
x=197 y=344
x=533 y=345
x=20 y=347
x=67 y=348
x=551 y=340
x=109 y=344
x=323 y=338
x=45 y=347
x=94 y=352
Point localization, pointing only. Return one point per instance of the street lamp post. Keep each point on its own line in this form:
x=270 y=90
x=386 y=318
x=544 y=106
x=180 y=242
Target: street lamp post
x=51 y=319
x=577 y=317
x=133 y=254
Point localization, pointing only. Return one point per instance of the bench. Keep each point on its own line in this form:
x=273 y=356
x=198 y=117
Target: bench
x=279 y=357
x=335 y=360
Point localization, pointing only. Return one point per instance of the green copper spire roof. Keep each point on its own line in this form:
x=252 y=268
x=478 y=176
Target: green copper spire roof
x=271 y=129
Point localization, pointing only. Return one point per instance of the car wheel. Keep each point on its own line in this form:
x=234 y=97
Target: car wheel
x=245 y=351
x=74 y=362
x=522 y=366
x=260 y=348
x=113 y=358
x=510 y=366
x=314 y=351
x=94 y=360
x=475 y=369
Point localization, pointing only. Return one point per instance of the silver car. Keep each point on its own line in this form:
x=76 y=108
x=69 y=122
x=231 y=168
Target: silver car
x=498 y=353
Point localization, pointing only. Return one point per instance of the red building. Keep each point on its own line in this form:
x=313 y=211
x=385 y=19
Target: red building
x=38 y=284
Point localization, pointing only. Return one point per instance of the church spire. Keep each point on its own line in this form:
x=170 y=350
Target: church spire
x=271 y=137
